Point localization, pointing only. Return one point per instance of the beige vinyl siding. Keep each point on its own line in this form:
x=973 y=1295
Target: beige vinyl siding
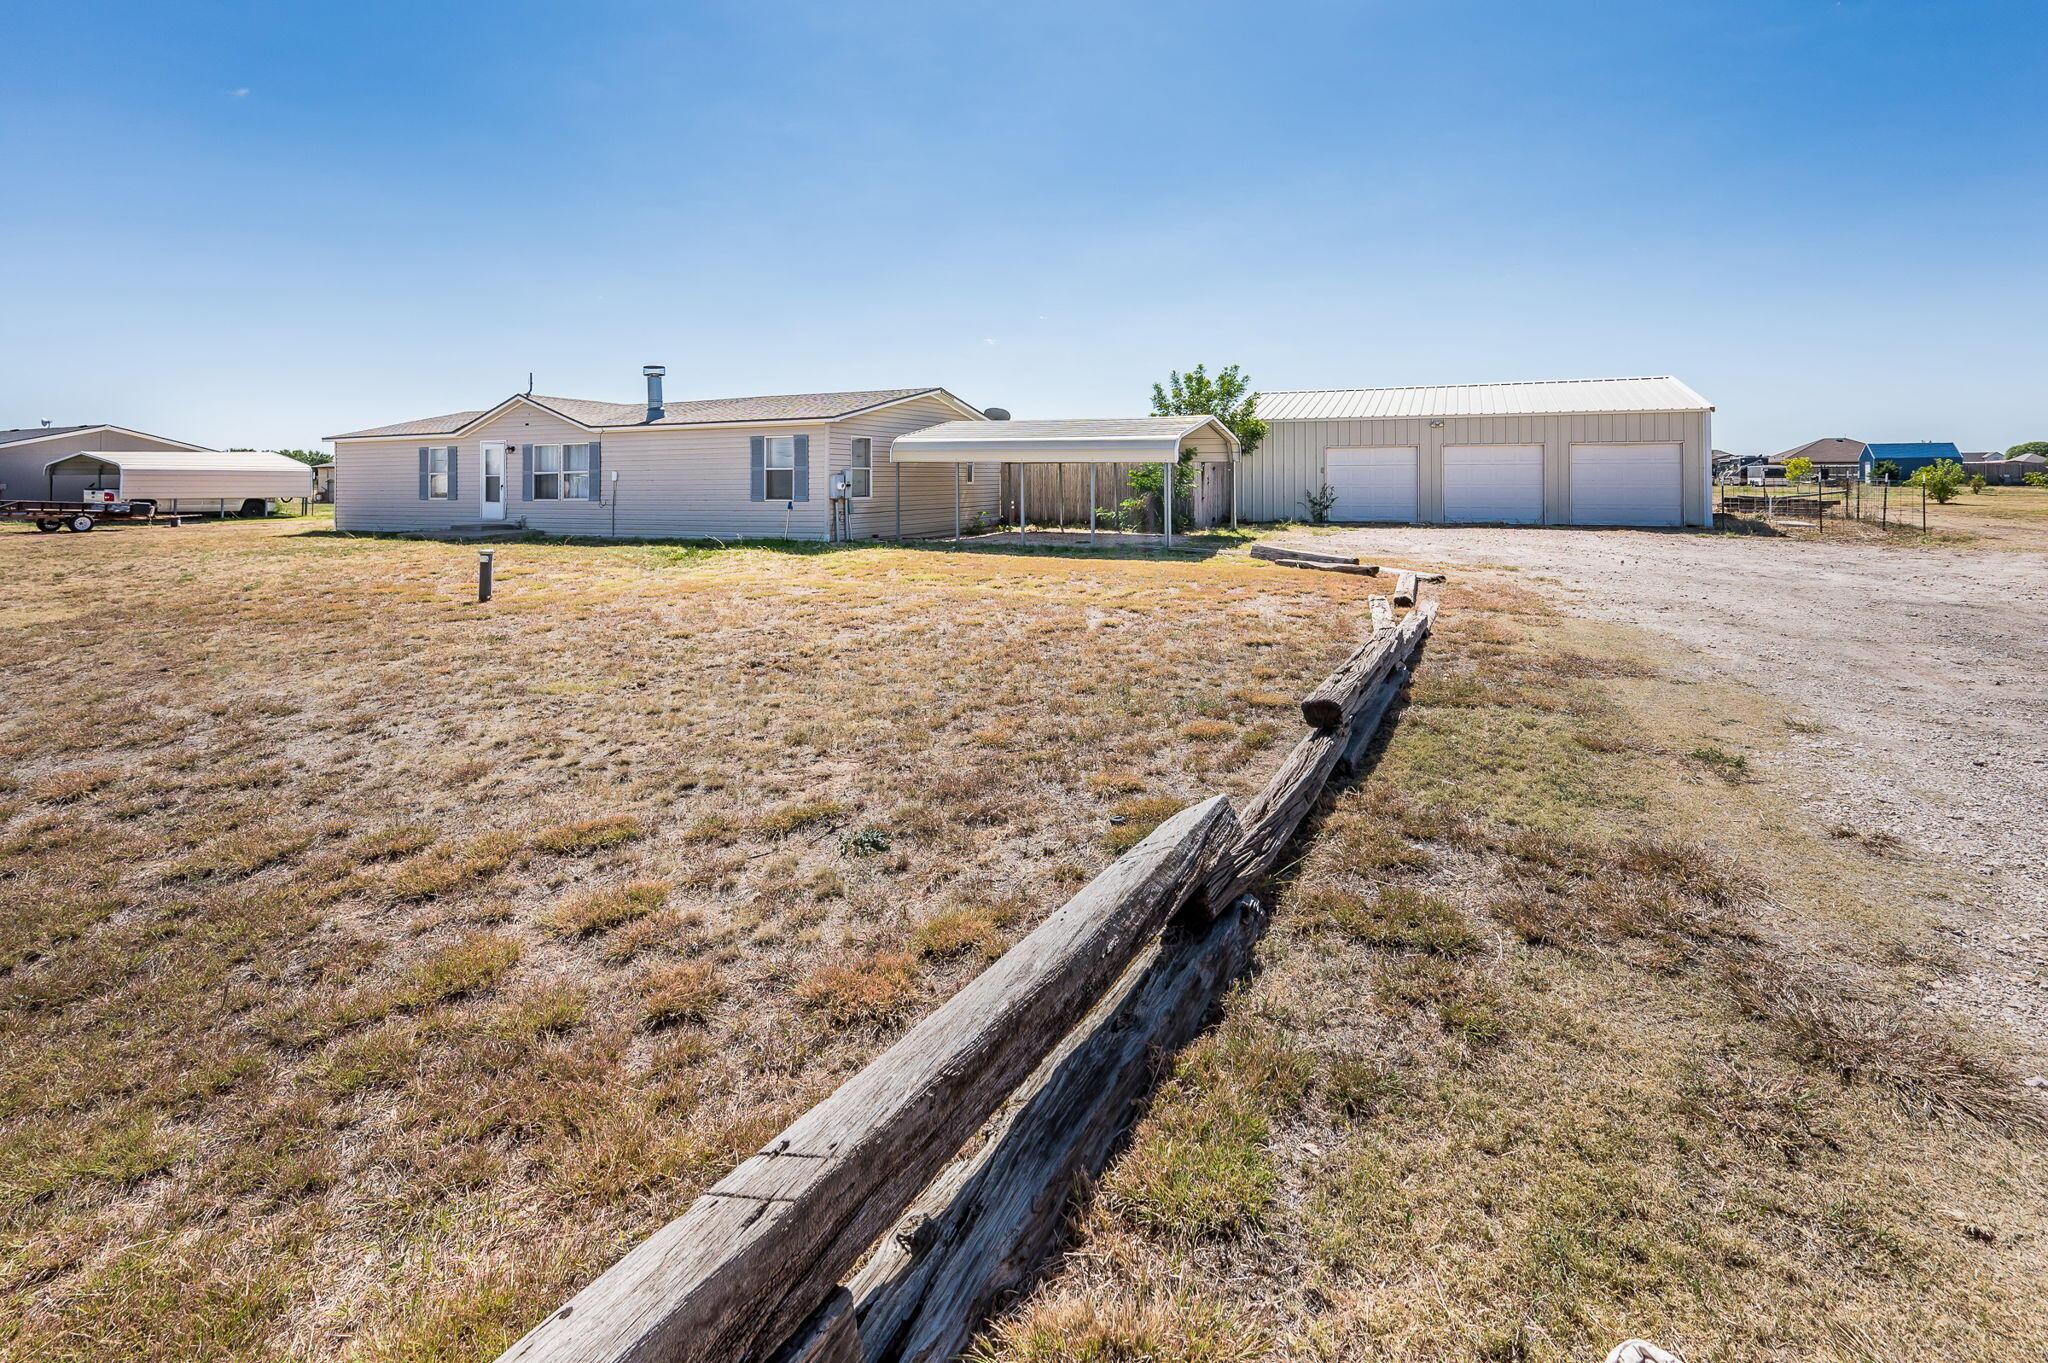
x=22 y=465
x=674 y=482
x=1274 y=483
x=927 y=488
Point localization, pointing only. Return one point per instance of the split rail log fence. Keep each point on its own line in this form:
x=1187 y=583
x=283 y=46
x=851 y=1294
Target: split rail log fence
x=942 y=1171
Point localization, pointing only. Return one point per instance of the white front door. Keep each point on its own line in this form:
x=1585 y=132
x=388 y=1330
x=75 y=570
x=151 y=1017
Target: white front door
x=1372 y=484
x=493 y=481
x=1493 y=484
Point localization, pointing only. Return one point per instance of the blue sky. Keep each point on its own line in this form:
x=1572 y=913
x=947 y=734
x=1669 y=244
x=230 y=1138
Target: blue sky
x=258 y=224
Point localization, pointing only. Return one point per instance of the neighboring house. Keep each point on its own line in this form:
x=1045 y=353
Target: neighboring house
x=1633 y=451
x=1837 y=456
x=724 y=468
x=2015 y=471
x=1909 y=456
x=1993 y=467
x=61 y=462
x=323 y=482
x=25 y=453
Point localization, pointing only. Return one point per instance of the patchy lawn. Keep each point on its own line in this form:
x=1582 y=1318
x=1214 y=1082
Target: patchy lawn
x=375 y=967
x=1571 y=1028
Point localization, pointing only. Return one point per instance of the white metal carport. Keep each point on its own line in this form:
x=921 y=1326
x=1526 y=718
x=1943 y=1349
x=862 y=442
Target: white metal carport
x=1093 y=441
x=168 y=477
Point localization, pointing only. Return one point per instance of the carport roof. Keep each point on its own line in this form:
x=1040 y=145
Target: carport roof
x=1550 y=397
x=188 y=461
x=1072 y=440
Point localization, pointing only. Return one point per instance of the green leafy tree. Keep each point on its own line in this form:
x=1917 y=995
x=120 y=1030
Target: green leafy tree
x=1943 y=479
x=2034 y=479
x=1884 y=470
x=1799 y=468
x=308 y=456
x=1227 y=397
x=2026 y=448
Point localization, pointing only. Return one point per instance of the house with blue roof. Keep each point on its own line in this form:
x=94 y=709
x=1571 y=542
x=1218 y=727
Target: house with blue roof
x=1909 y=456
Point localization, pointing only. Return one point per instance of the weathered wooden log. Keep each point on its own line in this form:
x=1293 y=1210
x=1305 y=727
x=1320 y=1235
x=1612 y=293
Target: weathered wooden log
x=831 y=1335
x=1404 y=590
x=1268 y=823
x=1355 y=569
x=987 y=1226
x=1340 y=693
x=1278 y=552
x=1369 y=718
x=1382 y=614
x=737 y=1274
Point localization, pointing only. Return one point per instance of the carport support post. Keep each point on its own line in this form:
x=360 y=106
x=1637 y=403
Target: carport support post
x=1166 y=500
x=1091 y=505
x=1233 y=489
x=1022 y=470
x=956 y=502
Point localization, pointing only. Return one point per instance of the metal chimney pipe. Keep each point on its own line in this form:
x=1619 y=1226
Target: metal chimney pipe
x=654 y=373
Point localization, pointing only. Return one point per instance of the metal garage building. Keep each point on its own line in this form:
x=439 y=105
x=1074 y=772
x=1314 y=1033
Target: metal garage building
x=1569 y=452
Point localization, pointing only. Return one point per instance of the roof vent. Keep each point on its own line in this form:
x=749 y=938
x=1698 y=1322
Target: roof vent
x=654 y=373
x=996 y=413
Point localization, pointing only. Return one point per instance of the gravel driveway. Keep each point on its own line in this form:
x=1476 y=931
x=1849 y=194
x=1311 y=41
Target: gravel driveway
x=1868 y=639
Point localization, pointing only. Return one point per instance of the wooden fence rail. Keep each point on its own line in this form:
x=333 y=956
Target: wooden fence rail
x=1057 y=1041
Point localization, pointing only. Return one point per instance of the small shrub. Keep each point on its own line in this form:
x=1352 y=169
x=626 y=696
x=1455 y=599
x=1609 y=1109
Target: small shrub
x=2039 y=480
x=1320 y=502
x=1942 y=479
x=686 y=992
x=865 y=842
x=862 y=993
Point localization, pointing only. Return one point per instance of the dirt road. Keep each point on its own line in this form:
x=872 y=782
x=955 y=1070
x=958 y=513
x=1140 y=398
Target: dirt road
x=1871 y=641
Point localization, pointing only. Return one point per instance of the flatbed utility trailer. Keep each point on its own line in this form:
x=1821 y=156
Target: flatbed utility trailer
x=79 y=516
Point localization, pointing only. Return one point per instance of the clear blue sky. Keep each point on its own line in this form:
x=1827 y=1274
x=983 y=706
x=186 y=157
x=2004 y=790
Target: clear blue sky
x=258 y=224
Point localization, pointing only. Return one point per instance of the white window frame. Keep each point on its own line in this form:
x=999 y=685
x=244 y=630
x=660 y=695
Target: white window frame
x=576 y=473
x=769 y=468
x=547 y=473
x=440 y=459
x=860 y=474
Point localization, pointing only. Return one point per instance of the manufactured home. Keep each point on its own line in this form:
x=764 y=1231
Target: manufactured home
x=803 y=466
x=1633 y=451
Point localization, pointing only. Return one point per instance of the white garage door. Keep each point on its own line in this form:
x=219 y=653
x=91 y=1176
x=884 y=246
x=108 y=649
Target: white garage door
x=1372 y=484
x=1626 y=485
x=1493 y=483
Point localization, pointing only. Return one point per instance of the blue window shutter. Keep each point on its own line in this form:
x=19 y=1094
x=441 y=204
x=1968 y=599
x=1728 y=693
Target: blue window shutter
x=803 y=468
x=426 y=470
x=526 y=473
x=757 y=457
x=596 y=471
x=452 y=475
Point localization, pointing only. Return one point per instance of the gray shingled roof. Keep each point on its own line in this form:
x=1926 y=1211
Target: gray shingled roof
x=36 y=432
x=700 y=412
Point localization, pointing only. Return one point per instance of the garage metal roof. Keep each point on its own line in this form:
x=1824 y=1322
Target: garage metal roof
x=1554 y=397
x=1082 y=440
x=190 y=461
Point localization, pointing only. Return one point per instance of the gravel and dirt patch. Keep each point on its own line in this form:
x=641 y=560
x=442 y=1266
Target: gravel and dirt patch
x=1913 y=676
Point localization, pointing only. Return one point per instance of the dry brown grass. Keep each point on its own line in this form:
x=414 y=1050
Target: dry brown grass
x=1531 y=1064
x=339 y=1017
